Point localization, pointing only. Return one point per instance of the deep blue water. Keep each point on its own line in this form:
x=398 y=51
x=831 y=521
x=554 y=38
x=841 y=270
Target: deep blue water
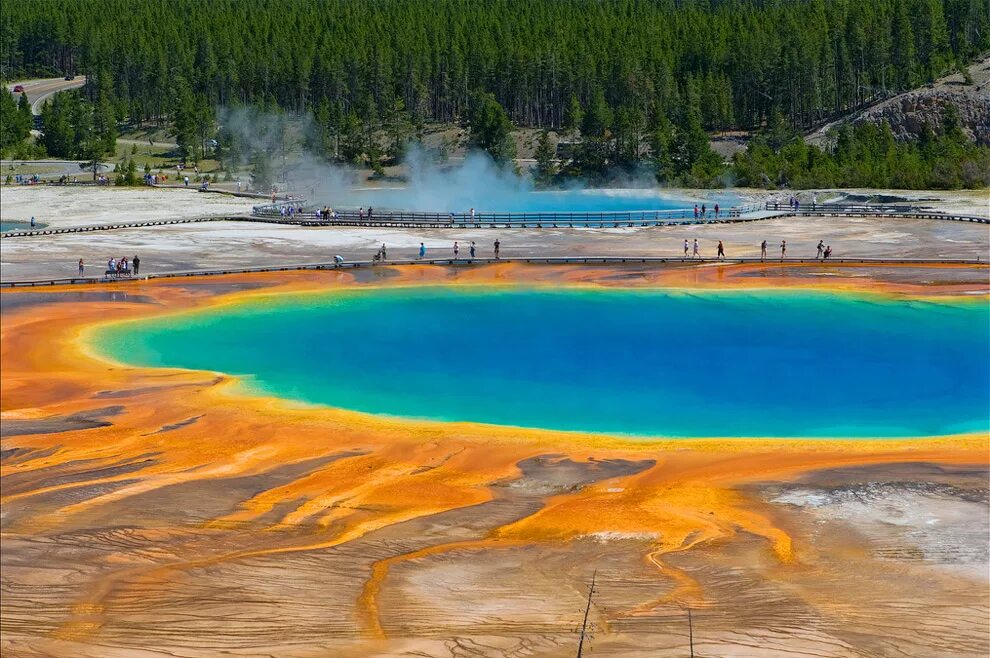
x=652 y=363
x=460 y=199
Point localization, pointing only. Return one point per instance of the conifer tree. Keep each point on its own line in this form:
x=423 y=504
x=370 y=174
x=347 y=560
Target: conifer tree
x=546 y=164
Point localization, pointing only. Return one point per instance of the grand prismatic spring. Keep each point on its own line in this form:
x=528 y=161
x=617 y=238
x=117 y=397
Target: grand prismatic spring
x=499 y=329
x=668 y=363
x=405 y=460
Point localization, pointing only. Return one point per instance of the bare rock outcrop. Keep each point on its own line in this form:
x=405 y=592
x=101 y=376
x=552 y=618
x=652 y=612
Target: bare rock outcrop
x=908 y=113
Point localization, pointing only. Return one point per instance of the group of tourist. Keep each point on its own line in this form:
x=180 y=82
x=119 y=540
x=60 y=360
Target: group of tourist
x=691 y=250
x=327 y=213
x=794 y=203
x=116 y=267
x=472 y=250
x=694 y=250
x=702 y=213
x=290 y=211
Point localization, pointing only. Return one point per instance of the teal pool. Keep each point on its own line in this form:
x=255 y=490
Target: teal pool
x=460 y=195
x=648 y=363
x=19 y=226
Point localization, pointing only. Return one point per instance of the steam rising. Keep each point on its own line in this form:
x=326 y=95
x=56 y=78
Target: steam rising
x=474 y=182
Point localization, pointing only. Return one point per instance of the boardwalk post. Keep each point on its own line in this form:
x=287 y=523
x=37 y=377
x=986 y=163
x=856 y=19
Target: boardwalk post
x=690 y=633
x=587 y=609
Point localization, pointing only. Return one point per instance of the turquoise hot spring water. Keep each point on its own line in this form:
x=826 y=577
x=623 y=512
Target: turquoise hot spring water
x=496 y=195
x=665 y=363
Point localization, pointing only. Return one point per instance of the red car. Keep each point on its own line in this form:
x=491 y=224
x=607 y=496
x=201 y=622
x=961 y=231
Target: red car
x=18 y=89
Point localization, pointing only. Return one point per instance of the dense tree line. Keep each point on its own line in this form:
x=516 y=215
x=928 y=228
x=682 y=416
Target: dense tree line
x=15 y=120
x=75 y=128
x=865 y=155
x=744 y=59
x=625 y=81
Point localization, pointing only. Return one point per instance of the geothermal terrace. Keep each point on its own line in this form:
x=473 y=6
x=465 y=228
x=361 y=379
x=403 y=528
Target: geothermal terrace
x=227 y=245
x=309 y=463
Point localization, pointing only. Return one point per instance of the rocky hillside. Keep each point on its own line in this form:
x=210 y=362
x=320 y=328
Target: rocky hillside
x=909 y=112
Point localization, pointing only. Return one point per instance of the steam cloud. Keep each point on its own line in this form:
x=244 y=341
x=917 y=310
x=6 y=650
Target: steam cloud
x=474 y=182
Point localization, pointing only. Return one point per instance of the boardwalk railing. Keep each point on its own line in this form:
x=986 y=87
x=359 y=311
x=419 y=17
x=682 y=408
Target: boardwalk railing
x=867 y=210
x=557 y=219
x=618 y=219
x=655 y=261
x=109 y=227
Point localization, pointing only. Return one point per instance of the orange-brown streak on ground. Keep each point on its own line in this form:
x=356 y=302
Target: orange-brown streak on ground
x=399 y=470
x=368 y=601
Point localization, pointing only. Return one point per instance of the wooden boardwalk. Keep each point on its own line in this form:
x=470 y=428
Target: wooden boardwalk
x=543 y=220
x=553 y=260
x=406 y=220
x=865 y=210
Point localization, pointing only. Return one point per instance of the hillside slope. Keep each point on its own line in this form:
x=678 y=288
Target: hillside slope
x=909 y=112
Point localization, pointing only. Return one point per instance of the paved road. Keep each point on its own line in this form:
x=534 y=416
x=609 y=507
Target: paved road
x=38 y=91
x=57 y=167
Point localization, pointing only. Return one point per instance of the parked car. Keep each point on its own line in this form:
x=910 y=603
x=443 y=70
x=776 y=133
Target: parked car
x=70 y=77
x=18 y=89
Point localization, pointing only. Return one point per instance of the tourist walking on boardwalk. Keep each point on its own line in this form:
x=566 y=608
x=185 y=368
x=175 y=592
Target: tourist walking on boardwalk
x=694 y=252
x=685 y=247
x=828 y=252
x=721 y=251
x=457 y=250
x=821 y=248
x=137 y=265
x=32 y=221
x=696 y=211
x=371 y=211
x=716 y=211
x=81 y=267
x=422 y=251
x=498 y=247
x=384 y=252
x=763 y=250
x=472 y=214
x=704 y=211
x=472 y=250
x=361 y=213
x=783 y=249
